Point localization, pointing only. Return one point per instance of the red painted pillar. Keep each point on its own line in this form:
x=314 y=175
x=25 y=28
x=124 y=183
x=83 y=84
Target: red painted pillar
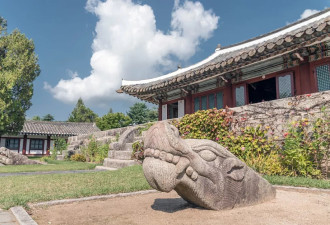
x=24 y=145
x=48 y=145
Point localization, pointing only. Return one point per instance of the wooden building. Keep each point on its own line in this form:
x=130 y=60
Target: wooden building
x=37 y=137
x=290 y=61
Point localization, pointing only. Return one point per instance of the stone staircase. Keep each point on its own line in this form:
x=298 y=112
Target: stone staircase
x=120 y=147
x=120 y=153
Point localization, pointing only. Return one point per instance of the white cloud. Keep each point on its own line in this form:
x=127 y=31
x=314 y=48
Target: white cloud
x=307 y=13
x=128 y=45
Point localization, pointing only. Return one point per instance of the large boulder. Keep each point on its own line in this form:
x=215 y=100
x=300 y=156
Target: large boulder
x=200 y=171
x=8 y=157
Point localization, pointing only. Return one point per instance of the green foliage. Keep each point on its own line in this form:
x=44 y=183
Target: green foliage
x=113 y=120
x=78 y=158
x=138 y=151
x=81 y=113
x=36 y=118
x=209 y=124
x=95 y=152
x=153 y=115
x=18 y=69
x=3 y=25
x=48 y=117
x=139 y=113
x=60 y=144
x=305 y=148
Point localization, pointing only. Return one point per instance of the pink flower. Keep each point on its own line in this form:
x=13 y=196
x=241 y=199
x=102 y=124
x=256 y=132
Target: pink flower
x=217 y=139
x=243 y=148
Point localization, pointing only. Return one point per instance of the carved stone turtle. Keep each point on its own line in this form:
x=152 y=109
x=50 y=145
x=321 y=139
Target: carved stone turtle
x=201 y=171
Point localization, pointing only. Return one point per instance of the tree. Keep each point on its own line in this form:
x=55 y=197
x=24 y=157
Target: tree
x=18 y=69
x=37 y=118
x=48 y=117
x=138 y=113
x=152 y=115
x=113 y=120
x=81 y=113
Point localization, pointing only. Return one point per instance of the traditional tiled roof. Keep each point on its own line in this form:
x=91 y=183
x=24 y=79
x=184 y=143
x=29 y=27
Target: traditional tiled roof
x=293 y=39
x=57 y=128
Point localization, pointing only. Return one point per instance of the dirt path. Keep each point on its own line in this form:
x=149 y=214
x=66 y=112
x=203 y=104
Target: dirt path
x=289 y=208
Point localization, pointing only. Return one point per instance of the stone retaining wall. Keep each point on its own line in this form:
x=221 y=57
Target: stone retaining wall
x=98 y=135
x=277 y=114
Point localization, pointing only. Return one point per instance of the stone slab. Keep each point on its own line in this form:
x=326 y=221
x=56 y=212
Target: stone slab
x=22 y=216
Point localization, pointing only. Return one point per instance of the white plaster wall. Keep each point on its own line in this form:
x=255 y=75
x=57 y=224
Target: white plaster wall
x=27 y=146
x=21 y=145
x=180 y=108
x=39 y=152
x=52 y=144
x=164 y=112
x=45 y=147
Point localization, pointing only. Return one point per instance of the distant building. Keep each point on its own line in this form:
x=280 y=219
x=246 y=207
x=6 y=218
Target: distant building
x=290 y=61
x=37 y=137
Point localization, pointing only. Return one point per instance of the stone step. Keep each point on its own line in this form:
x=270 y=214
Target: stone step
x=113 y=154
x=105 y=168
x=106 y=140
x=139 y=138
x=127 y=147
x=118 y=163
x=71 y=147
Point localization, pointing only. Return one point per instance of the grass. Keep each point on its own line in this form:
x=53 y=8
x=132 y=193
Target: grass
x=51 y=166
x=298 y=181
x=20 y=190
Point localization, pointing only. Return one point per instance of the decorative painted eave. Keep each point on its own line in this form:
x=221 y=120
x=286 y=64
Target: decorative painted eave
x=292 y=39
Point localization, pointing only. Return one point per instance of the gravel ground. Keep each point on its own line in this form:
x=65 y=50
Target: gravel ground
x=288 y=208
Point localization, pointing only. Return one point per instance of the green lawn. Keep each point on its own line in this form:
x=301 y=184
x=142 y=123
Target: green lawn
x=298 y=181
x=52 y=165
x=19 y=190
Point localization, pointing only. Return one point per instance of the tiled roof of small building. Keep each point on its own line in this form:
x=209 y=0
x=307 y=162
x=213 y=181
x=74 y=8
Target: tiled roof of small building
x=57 y=128
x=293 y=37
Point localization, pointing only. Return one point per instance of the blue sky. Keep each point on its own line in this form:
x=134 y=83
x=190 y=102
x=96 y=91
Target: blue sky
x=64 y=32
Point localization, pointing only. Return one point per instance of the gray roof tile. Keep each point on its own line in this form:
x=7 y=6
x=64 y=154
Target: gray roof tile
x=57 y=128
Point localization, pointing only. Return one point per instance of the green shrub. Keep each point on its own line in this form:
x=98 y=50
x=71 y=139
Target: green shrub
x=45 y=158
x=138 y=151
x=94 y=151
x=305 y=148
x=78 y=158
x=212 y=124
x=60 y=144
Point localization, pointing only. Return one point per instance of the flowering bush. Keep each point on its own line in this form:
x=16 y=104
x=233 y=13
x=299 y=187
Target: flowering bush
x=306 y=146
x=78 y=158
x=94 y=151
x=251 y=145
x=138 y=151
